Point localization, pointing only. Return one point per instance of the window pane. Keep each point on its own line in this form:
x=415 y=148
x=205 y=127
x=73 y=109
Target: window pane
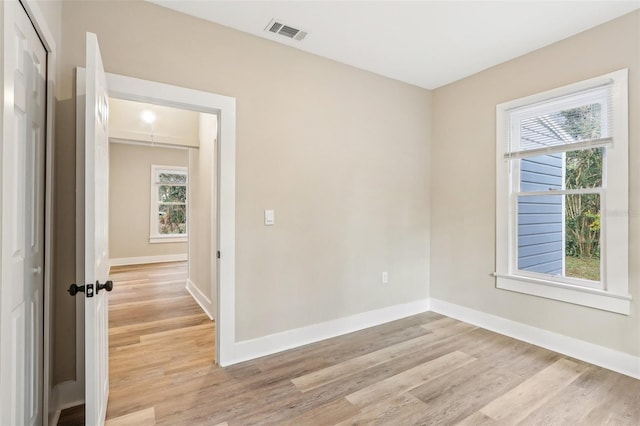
x=540 y=234
x=584 y=168
x=172 y=194
x=581 y=169
x=172 y=220
x=583 y=236
x=546 y=221
x=582 y=123
x=562 y=127
x=541 y=173
x=172 y=177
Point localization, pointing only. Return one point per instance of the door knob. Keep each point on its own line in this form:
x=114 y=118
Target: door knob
x=106 y=286
x=75 y=289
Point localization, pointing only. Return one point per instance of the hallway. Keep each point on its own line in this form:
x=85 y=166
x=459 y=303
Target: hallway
x=158 y=336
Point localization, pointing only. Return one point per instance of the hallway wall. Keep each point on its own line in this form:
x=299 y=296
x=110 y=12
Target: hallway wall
x=130 y=199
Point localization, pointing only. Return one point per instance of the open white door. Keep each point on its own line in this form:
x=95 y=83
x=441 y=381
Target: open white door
x=96 y=236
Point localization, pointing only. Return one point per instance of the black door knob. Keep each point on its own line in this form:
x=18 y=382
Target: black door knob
x=106 y=286
x=75 y=289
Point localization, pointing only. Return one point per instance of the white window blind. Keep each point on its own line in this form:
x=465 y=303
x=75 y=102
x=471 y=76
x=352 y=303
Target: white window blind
x=581 y=120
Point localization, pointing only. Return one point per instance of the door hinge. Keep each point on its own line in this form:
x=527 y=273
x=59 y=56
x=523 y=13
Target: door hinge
x=218 y=254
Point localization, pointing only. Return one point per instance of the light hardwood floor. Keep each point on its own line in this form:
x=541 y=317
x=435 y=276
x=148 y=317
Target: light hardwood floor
x=426 y=369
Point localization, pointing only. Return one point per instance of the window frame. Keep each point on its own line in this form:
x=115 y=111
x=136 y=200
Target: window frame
x=613 y=293
x=154 y=236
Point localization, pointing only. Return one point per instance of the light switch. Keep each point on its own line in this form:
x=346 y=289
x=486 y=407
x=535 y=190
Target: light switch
x=269 y=217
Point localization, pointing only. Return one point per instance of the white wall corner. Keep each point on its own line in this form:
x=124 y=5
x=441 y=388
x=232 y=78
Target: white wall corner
x=64 y=395
x=200 y=298
x=610 y=359
x=123 y=261
x=278 y=342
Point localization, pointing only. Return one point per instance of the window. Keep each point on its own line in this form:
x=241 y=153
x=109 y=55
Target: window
x=168 y=204
x=562 y=194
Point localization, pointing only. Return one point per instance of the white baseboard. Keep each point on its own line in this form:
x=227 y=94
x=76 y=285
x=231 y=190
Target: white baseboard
x=200 y=298
x=273 y=343
x=122 y=261
x=64 y=395
x=594 y=354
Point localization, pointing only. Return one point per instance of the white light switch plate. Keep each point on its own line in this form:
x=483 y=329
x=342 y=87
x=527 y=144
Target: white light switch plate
x=269 y=217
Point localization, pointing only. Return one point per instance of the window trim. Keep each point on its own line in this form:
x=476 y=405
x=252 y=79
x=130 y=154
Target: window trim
x=614 y=296
x=154 y=236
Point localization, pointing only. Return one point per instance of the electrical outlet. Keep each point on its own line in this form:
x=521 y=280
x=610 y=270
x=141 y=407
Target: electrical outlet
x=385 y=278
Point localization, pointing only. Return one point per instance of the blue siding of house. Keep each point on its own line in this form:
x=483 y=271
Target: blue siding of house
x=540 y=230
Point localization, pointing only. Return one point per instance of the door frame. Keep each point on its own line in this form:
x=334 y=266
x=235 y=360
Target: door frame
x=37 y=18
x=134 y=89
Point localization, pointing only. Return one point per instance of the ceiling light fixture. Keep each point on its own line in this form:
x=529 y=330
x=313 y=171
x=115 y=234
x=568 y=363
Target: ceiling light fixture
x=148 y=117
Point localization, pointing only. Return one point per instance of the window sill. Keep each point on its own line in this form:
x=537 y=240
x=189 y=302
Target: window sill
x=584 y=296
x=167 y=239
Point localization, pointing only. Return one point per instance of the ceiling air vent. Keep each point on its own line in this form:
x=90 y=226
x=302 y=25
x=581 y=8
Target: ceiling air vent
x=285 y=30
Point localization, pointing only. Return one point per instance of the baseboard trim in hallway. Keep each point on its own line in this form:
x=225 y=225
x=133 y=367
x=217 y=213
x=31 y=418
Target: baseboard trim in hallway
x=143 y=260
x=200 y=298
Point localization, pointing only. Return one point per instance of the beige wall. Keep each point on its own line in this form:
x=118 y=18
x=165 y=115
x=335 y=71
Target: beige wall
x=202 y=211
x=130 y=198
x=463 y=182
x=342 y=155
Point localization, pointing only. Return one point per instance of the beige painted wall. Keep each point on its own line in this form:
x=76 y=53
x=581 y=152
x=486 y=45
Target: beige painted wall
x=202 y=203
x=342 y=155
x=463 y=182
x=129 y=199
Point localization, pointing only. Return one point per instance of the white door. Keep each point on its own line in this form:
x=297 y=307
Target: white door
x=22 y=212
x=96 y=249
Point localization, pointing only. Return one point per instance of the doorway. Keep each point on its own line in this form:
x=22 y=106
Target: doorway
x=162 y=246
x=127 y=88
x=163 y=192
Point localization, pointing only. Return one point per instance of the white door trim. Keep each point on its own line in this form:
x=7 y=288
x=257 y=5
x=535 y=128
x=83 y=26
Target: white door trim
x=42 y=29
x=224 y=107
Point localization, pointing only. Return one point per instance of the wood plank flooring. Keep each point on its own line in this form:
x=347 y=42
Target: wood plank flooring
x=422 y=370
x=158 y=336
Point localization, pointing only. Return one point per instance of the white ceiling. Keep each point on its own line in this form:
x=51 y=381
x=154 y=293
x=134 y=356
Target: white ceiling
x=425 y=43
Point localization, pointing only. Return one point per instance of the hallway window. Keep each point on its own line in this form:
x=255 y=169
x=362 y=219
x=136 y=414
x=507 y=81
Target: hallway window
x=168 y=204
